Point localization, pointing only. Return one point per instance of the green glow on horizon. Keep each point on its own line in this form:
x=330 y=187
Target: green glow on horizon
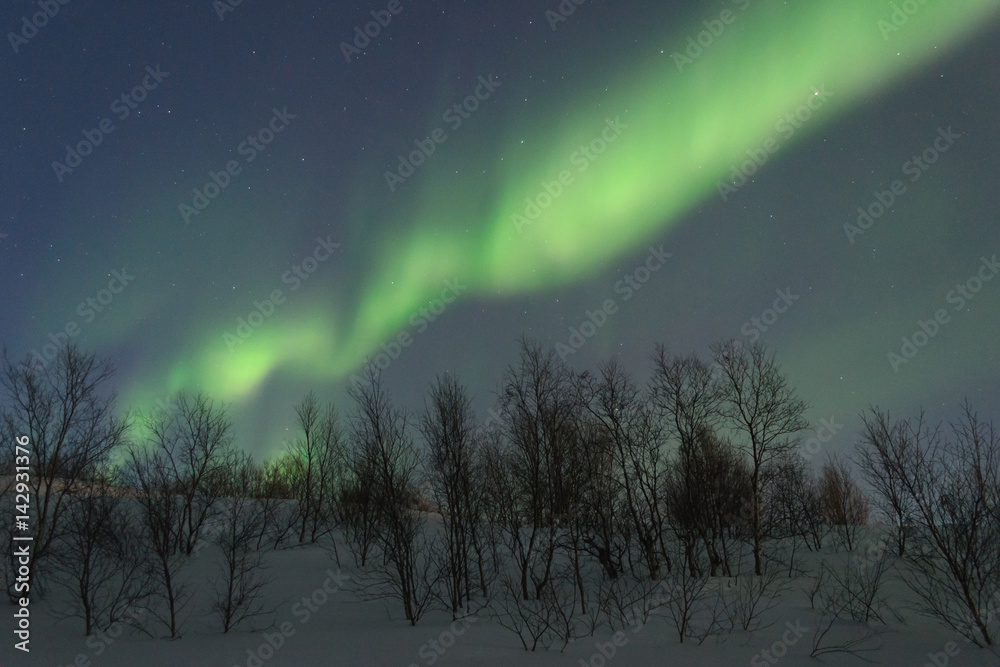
x=685 y=131
x=300 y=344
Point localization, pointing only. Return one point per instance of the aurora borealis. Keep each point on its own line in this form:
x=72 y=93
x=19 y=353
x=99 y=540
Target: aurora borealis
x=741 y=137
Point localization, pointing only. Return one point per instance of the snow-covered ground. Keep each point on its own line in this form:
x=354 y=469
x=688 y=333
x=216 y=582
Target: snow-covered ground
x=319 y=621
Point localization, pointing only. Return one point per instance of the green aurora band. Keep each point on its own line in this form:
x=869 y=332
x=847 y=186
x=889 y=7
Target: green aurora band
x=686 y=130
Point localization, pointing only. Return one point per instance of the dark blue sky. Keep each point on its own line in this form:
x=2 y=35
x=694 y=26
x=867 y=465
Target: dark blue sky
x=304 y=208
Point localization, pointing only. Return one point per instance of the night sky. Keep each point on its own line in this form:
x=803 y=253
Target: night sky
x=251 y=215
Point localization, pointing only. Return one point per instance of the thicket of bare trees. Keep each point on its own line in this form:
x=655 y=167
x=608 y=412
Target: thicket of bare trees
x=942 y=483
x=539 y=414
x=845 y=506
x=795 y=509
x=884 y=446
x=591 y=501
x=69 y=414
x=316 y=463
x=635 y=472
x=179 y=474
x=708 y=478
x=101 y=559
x=239 y=587
x=162 y=516
x=453 y=461
x=385 y=458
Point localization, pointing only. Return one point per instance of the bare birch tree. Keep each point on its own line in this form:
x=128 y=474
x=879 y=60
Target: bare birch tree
x=763 y=411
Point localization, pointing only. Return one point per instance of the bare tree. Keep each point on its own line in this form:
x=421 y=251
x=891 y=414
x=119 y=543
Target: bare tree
x=538 y=622
x=630 y=600
x=532 y=620
x=844 y=504
x=196 y=440
x=749 y=599
x=274 y=488
x=273 y=491
x=68 y=414
x=485 y=515
x=687 y=600
x=854 y=640
x=689 y=399
x=100 y=559
x=883 y=449
x=304 y=452
x=151 y=474
x=601 y=516
x=845 y=600
x=360 y=506
x=793 y=505
x=762 y=410
x=709 y=482
x=239 y=588
x=564 y=603
x=448 y=429
x=332 y=466
x=858 y=585
x=316 y=462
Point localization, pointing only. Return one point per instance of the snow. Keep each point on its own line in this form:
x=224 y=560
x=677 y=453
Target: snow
x=341 y=630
